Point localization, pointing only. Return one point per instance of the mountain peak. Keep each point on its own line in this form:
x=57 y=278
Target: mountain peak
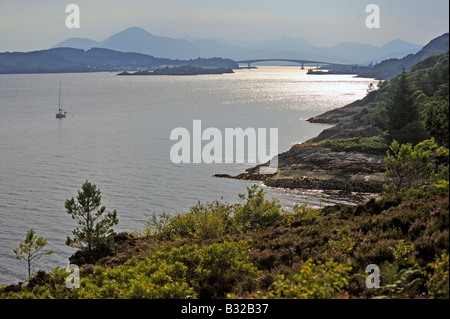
x=397 y=41
x=79 y=43
x=135 y=39
x=399 y=45
x=131 y=33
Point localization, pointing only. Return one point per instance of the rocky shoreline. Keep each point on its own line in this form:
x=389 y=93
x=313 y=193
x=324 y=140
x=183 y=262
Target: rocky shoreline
x=314 y=167
x=311 y=166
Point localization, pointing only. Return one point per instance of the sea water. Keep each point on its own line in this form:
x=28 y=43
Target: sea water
x=117 y=136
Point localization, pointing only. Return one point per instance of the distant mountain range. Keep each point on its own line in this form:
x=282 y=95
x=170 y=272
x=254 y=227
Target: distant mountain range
x=90 y=56
x=138 y=40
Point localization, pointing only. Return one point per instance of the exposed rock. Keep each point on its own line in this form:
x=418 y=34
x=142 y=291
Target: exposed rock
x=345 y=113
x=337 y=115
x=314 y=167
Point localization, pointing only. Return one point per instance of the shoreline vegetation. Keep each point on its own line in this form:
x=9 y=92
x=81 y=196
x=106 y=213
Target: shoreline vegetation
x=255 y=249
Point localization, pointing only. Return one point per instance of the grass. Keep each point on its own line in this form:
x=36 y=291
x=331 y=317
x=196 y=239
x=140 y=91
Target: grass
x=371 y=145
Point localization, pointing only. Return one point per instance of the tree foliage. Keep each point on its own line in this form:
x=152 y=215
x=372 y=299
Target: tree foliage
x=31 y=249
x=403 y=118
x=437 y=115
x=96 y=229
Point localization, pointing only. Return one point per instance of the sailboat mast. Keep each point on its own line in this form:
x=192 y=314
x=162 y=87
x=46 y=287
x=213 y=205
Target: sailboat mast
x=59 y=101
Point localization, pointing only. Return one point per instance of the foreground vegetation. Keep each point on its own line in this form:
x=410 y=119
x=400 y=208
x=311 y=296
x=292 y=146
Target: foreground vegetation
x=256 y=249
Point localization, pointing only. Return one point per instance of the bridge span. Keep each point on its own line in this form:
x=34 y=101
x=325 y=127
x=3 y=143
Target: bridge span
x=302 y=62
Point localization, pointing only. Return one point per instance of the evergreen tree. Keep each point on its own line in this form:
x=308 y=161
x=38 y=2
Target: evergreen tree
x=95 y=230
x=31 y=249
x=403 y=118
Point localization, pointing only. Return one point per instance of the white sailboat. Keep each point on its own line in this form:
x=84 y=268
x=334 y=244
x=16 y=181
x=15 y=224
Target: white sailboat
x=61 y=114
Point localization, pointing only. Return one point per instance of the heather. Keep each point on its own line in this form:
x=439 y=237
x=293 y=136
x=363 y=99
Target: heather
x=257 y=249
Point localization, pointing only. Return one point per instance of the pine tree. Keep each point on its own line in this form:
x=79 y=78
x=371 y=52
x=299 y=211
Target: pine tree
x=31 y=249
x=403 y=118
x=95 y=230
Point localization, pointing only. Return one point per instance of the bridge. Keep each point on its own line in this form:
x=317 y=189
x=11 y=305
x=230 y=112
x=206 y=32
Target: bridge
x=302 y=62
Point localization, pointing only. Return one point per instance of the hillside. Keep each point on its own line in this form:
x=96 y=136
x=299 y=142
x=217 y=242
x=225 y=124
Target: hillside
x=94 y=60
x=38 y=62
x=388 y=69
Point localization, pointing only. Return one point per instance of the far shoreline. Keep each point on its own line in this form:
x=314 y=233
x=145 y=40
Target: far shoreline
x=179 y=71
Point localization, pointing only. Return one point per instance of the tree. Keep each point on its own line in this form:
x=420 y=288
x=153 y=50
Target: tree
x=403 y=118
x=31 y=249
x=95 y=231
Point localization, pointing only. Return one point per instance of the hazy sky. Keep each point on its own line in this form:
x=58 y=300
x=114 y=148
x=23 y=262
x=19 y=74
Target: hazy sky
x=38 y=24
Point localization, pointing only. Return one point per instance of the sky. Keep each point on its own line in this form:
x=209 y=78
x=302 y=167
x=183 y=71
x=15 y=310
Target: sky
x=27 y=25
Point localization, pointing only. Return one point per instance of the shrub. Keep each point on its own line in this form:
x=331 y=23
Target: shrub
x=315 y=280
x=306 y=212
x=203 y=221
x=403 y=253
x=136 y=279
x=343 y=246
x=257 y=212
x=178 y=273
x=438 y=279
x=215 y=270
x=408 y=166
x=223 y=268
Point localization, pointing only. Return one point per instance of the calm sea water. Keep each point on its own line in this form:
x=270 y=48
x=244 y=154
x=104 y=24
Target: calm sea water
x=117 y=136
